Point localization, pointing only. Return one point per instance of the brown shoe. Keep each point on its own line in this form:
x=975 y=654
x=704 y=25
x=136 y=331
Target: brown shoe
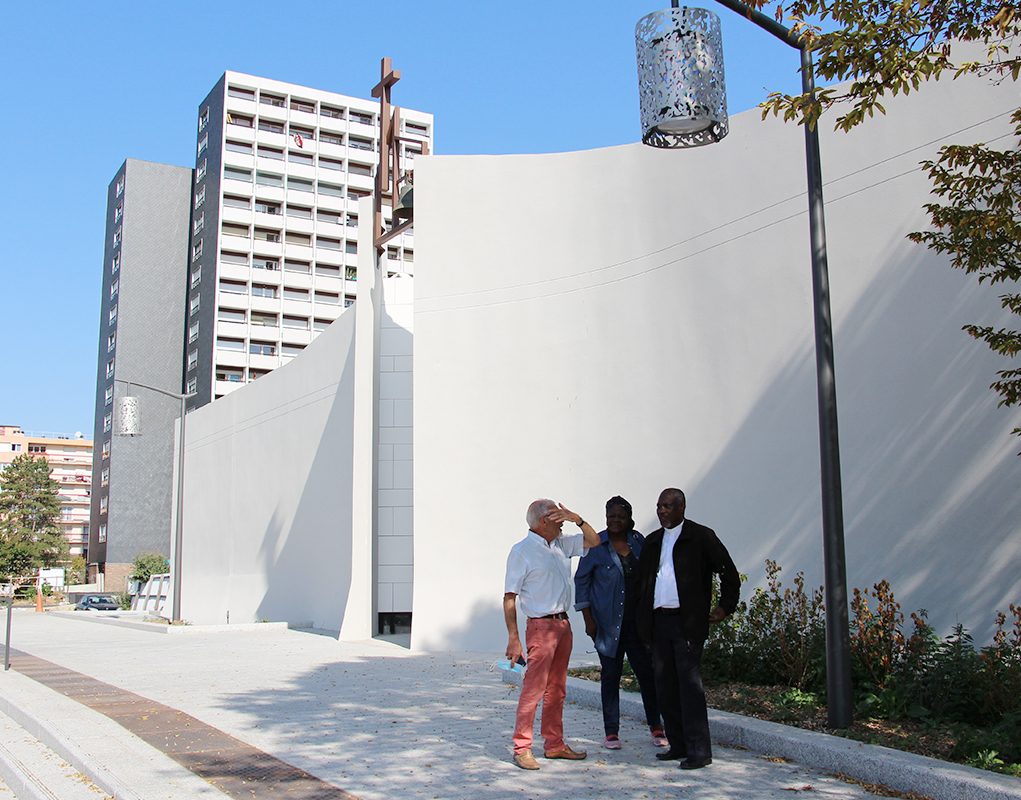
x=526 y=760
x=567 y=752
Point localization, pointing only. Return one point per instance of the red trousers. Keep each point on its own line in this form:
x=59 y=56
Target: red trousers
x=548 y=643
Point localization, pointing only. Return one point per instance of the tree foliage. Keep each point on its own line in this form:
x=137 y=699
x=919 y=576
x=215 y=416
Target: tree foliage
x=146 y=564
x=30 y=534
x=891 y=47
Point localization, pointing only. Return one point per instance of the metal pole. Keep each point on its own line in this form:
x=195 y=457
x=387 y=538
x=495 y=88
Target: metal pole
x=7 y=646
x=838 y=645
x=179 y=527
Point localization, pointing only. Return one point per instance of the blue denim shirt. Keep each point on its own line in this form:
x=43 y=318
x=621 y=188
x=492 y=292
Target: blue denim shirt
x=599 y=585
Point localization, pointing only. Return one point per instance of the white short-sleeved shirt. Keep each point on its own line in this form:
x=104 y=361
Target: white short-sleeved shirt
x=540 y=574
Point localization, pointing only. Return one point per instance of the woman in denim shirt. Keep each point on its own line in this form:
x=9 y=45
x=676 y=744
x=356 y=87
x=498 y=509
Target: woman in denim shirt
x=605 y=589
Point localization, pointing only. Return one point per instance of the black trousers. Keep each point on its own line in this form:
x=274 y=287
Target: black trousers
x=678 y=669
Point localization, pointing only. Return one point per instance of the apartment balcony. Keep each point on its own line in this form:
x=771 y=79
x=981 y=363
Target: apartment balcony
x=235 y=271
x=239 y=216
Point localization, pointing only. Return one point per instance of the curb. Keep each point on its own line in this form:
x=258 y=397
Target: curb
x=135 y=622
x=869 y=763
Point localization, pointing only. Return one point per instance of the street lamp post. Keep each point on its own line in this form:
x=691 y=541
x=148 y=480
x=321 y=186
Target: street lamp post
x=680 y=62
x=129 y=424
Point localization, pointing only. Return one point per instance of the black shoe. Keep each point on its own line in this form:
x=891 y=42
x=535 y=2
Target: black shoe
x=672 y=755
x=696 y=763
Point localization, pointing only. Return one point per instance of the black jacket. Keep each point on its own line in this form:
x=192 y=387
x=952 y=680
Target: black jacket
x=697 y=555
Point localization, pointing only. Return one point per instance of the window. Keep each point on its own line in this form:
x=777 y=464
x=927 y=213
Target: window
x=262 y=348
x=193 y=385
x=117 y=237
x=109 y=368
x=357 y=194
x=302 y=239
x=200 y=196
x=331 y=189
x=331 y=112
x=265 y=320
x=232 y=375
x=193 y=333
x=232 y=201
x=331 y=298
x=269 y=179
x=224 y=343
x=270 y=127
x=203 y=144
x=241 y=94
x=200 y=172
x=364 y=119
x=236 y=174
x=266 y=263
x=107 y=422
x=233 y=287
x=352 y=220
x=37 y=448
x=303 y=133
x=113 y=314
x=349 y=301
x=262 y=290
x=239 y=147
x=299 y=211
x=104 y=476
x=255 y=374
x=351 y=273
x=299 y=185
x=194 y=304
x=108 y=397
x=330 y=163
x=104 y=503
x=320 y=324
x=328 y=271
x=359 y=169
x=331 y=138
x=271 y=100
x=409 y=255
x=204 y=118
x=196 y=250
x=199 y=223
x=267 y=235
x=111 y=341
x=393 y=254
x=299 y=158
x=308 y=106
x=116 y=264
x=102 y=533
x=296 y=294
x=118 y=212
x=297 y=266
x=241 y=231
x=330 y=216
x=15 y=448
x=358 y=143
x=193 y=359
x=196 y=276
x=411 y=127
x=229 y=315
x=267 y=208
x=238 y=259
x=327 y=243
x=296 y=323
x=240 y=120
x=114 y=288
x=351 y=247
x=120 y=186
x=270 y=152
x=291 y=350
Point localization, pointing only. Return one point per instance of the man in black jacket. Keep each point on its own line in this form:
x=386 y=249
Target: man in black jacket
x=675 y=592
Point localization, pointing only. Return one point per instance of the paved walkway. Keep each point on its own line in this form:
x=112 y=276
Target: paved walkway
x=277 y=713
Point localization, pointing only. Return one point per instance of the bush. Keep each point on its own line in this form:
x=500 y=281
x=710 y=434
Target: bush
x=146 y=564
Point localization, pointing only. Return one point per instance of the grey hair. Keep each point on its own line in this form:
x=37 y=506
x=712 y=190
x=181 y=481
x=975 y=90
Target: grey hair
x=538 y=510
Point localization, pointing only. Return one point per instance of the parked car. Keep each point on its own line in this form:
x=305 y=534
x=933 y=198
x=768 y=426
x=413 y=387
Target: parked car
x=97 y=602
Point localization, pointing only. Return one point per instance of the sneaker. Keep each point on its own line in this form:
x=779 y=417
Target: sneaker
x=611 y=742
x=659 y=738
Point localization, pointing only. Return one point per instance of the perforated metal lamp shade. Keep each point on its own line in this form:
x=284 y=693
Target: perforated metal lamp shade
x=127 y=417
x=680 y=78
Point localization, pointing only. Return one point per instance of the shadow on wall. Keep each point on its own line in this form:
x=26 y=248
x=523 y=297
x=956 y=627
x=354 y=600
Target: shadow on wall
x=930 y=480
x=308 y=566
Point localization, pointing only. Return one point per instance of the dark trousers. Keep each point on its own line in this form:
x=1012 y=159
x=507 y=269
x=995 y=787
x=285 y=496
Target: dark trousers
x=678 y=667
x=640 y=658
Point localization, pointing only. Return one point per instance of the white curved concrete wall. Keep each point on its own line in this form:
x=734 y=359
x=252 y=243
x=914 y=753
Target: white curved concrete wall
x=621 y=320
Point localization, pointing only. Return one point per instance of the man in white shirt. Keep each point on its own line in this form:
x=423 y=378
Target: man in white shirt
x=539 y=573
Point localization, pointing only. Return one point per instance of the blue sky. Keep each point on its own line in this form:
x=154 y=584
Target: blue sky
x=90 y=84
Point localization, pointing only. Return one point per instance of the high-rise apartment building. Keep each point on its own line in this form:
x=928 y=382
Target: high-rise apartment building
x=70 y=460
x=215 y=276
x=278 y=174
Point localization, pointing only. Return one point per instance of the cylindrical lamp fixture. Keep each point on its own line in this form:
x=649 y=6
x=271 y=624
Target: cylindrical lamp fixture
x=680 y=78
x=127 y=419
